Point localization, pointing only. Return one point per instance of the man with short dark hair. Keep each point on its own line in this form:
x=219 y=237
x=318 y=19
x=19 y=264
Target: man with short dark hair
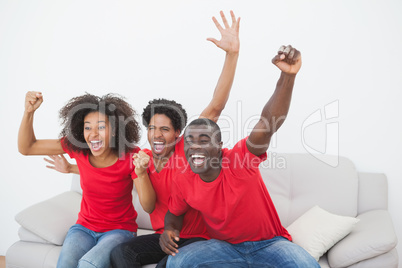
x=226 y=187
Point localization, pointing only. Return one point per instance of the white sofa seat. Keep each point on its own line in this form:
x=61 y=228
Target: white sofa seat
x=296 y=183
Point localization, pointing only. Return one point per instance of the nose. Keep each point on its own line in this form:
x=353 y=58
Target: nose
x=157 y=133
x=93 y=132
x=195 y=146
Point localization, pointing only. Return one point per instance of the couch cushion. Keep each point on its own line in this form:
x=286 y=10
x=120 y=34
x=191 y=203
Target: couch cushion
x=297 y=182
x=32 y=255
x=389 y=260
x=28 y=236
x=51 y=218
x=318 y=230
x=374 y=235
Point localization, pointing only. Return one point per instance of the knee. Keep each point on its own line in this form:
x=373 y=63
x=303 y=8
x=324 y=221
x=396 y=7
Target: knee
x=86 y=264
x=185 y=258
x=117 y=253
x=122 y=254
x=174 y=261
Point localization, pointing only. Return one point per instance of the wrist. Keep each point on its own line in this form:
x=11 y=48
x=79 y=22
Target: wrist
x=140 y=172
x=288 y=75
x=28 y=113
x=234 y=53
x=69 y=169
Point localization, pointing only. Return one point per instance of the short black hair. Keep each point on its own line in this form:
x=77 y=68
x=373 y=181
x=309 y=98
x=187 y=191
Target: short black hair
x=208 y=122
x=173 y=110
x=120 y=114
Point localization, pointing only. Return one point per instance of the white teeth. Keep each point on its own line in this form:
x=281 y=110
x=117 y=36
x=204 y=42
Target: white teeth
x=93 y=142
x=197 y=156
x=158 y=142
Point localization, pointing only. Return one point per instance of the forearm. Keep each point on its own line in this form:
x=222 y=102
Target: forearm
x=146 y=192
x=222 y=89
x=173 y=222
x=277 y=108
x=273 y=115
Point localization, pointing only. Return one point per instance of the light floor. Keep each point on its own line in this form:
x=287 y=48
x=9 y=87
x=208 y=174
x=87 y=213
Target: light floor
x=2 y=262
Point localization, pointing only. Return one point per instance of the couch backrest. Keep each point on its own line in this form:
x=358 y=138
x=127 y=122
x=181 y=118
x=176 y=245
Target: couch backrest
x=373 y=192
x=297 y=182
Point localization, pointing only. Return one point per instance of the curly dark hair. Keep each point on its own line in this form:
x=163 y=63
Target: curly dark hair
x=170 y=108
x=120 y=114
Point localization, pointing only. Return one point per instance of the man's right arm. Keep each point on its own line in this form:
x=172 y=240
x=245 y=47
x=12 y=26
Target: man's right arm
x=274 y=113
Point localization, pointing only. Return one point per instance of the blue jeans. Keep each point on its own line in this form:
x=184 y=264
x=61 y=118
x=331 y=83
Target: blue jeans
x=85 y=248
x=276 y=252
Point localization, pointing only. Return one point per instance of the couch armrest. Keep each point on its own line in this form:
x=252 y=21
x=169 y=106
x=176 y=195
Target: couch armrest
x=28 y=236
x=372 y=236
x=51 y=218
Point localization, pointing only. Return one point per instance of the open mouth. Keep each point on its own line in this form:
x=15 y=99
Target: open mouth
x=159 y=146
x=197 y=159
x=96 y=145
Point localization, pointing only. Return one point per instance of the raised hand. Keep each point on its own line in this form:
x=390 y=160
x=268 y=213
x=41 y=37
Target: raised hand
x=288 y=59
x=33 y=100
x=141 y=161
x=59 y=163
x=229 y=35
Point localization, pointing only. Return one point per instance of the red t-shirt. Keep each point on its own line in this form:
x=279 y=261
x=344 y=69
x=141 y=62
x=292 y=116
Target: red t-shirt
x=106 y=194
x=193 y=224
x=236 y=206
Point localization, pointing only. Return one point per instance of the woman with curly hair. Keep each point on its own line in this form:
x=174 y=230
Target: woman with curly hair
x=165 y=120
x=100 y=133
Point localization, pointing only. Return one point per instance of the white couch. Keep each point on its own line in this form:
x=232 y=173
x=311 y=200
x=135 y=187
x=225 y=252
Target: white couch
x=296 y=182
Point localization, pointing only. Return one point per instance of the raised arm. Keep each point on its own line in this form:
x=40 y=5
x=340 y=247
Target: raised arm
x=230 y=43
x=145 y=190
x=274 y=113
x=27 y=142
x=173 y=226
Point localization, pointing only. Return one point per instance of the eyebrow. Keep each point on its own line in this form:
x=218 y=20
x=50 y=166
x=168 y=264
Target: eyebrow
x=87 y=122
x=159 y=127
x=201 y=135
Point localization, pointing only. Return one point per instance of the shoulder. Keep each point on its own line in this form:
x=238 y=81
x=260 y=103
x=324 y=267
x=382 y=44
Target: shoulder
x=240 y=157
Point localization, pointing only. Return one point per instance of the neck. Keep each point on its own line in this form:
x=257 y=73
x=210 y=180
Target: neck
x=104 y=160
x=160 y=161
x=211 y=175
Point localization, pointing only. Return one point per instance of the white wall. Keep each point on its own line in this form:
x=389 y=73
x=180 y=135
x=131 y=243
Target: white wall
x=148 y=49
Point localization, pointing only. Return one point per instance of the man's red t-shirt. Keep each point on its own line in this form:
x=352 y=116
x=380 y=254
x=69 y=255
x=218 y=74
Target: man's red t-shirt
x=106 y=194
x=236 y=206
x=193 y=224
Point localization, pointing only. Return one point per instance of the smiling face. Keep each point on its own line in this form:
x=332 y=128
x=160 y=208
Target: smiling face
x=162 y=136
x=97 y=133
x=203 y=151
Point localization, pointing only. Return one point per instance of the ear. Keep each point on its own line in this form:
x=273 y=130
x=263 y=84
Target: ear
x=220 y=148
x=177 y=133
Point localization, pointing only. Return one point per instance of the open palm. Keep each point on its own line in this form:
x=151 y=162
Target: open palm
x=229 y=35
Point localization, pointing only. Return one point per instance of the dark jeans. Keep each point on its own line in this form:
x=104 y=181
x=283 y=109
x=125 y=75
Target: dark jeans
x=143 y=250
